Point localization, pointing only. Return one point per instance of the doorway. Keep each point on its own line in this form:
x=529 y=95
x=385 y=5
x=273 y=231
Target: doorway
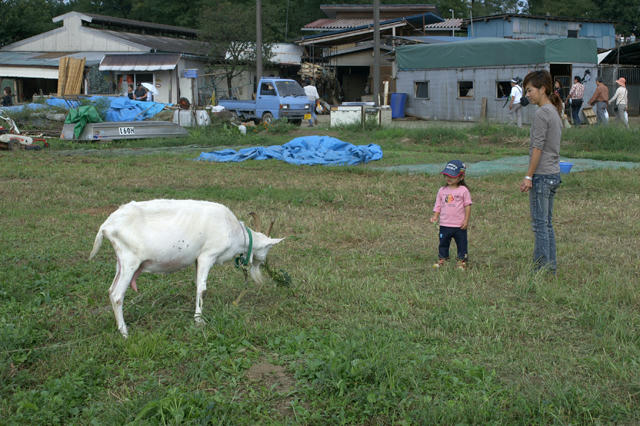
x=562 y=73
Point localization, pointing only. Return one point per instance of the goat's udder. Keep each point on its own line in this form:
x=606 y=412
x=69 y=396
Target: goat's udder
x=135 y=276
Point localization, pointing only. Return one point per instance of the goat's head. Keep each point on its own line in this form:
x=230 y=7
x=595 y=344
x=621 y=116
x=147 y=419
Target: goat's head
x=261 y=245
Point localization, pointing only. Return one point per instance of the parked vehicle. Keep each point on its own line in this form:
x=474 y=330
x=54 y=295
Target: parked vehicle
x=276 y=98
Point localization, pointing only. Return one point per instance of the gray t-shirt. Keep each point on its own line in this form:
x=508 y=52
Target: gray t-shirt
x=546 y=132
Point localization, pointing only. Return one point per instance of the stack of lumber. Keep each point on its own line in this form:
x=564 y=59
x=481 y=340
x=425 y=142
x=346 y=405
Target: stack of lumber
x=590 y=115
x=70 y=76
x=309 y=70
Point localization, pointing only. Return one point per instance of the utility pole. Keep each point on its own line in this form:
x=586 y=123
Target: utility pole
x=258 y=40
x=286 y=23
x=376 y=52
x=452 y=27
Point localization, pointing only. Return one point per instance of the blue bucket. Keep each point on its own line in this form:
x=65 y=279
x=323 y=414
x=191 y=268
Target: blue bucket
x=565 y=167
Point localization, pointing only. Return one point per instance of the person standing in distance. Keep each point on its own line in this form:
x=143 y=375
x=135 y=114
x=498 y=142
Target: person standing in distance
x=515 y=107
x=312 y=94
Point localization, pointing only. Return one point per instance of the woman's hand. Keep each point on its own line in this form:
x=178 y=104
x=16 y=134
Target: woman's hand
x=526 y=185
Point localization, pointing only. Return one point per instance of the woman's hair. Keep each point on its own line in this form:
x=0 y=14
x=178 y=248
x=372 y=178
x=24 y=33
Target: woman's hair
x=542 y=79
x=7 y=90
x=577 y=78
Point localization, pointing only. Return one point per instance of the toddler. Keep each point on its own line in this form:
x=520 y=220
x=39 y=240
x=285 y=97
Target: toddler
x=452 y=209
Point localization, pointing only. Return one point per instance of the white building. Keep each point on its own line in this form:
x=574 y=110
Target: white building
x=126 y=52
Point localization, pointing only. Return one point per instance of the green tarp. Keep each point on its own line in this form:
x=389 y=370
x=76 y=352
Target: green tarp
x=487 y=52
x=81 y=116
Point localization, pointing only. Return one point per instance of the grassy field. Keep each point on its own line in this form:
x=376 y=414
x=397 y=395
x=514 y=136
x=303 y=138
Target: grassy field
x=368 y=333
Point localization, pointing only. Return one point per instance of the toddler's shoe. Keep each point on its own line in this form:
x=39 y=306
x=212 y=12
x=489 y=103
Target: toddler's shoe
x=440 y=263
x=462 y=264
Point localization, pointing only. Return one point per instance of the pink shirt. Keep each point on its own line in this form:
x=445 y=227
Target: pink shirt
x=450 y=203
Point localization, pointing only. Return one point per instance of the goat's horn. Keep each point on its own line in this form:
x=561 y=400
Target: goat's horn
x=270 y=228
x=256 y=221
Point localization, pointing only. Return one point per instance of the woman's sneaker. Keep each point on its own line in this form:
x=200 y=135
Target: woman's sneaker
x=440 y=263
x=462 y=264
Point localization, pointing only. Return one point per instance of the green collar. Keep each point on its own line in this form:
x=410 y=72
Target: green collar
x=242 y=260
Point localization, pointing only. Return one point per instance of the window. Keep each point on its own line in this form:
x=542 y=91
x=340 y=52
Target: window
x=503 y=89
x=572 y=34
x=267 y=89
x=421 y=89
x=465 y=89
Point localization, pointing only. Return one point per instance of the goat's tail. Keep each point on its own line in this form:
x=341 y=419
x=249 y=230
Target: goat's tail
x=96 y=244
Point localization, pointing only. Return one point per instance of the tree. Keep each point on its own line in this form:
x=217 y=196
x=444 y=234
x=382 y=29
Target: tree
x=20 y=19
x=230 y=30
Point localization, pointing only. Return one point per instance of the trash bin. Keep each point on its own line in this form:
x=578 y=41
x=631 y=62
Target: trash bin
x=397 y=104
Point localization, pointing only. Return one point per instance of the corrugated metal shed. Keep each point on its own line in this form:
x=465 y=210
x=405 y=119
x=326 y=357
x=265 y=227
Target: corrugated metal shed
x=140 y=62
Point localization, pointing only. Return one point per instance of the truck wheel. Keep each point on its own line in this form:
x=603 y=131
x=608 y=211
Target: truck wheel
x=296 y=122
x=267 y=118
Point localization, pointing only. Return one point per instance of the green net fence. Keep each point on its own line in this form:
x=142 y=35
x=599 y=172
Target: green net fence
x=509 y=165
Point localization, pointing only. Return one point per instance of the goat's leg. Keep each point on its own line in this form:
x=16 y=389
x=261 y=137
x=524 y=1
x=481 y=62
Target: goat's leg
x=203 y=265
x=127 y=269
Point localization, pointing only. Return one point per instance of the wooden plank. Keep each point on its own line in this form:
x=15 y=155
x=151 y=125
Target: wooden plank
x=62 y=74
x=483 y=109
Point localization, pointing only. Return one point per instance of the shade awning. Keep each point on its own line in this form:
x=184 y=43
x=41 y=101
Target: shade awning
x=140 y=62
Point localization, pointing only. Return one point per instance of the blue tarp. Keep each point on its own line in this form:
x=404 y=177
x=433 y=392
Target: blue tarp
x=308 y=150
x=120 y=108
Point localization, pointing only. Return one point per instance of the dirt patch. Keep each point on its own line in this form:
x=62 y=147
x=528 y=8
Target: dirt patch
x=99 y=211
x=272 y=376
x=275 y=378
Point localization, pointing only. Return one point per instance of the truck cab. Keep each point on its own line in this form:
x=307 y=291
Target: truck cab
x=275 y=98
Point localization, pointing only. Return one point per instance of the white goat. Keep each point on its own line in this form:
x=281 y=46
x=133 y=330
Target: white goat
x=168 y=235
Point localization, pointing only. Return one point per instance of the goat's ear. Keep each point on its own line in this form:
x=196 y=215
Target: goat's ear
x=273 y=241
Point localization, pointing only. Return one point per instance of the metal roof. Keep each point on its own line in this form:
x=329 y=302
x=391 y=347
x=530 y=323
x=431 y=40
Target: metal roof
x=140 y=62
x=629 y=54
x=94 y=18
x=505 y=16
x=162 y=44
x=46 y=59
x=427 y=18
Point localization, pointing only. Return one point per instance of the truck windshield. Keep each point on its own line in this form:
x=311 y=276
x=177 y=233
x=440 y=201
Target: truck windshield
x=289 y=88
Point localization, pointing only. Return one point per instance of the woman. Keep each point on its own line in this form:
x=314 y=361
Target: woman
x=7 y=100
x=543 y=175
x=557 y=88
x=575 y=99
x=620 y=98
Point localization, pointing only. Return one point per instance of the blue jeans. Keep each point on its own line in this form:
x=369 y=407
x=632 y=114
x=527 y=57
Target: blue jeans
x=541 y=205
x=460 y=237
x=576 y=104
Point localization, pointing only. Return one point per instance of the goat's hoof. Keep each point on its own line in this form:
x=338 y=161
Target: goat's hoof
x=199 y=320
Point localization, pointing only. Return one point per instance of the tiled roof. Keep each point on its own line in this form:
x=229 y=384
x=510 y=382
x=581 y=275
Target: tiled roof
x=447 y=24
x=337 y=24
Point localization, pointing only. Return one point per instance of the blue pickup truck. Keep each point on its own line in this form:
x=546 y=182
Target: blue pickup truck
x=276 y=98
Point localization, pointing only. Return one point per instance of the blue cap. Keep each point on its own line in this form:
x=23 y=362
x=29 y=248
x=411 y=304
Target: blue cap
x=454 y=168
